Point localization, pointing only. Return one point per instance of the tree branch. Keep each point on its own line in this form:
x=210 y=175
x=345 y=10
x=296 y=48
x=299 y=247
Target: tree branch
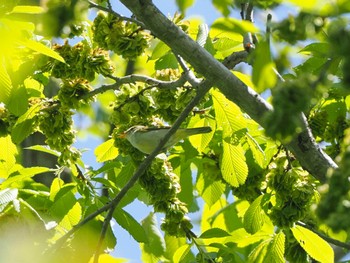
x=203 y=88
x=303 y=145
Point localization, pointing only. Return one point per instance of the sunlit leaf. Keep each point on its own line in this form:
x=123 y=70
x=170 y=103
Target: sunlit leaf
x=181 y=253
x=155 y=247
x=28 y=9
x=72 y=217
x=254 y=216
x=43 y=148
x=258 y=153
x=5 y=83
x=233 y=166
x=209 y=190
x=214 y=232
x=160 y=50
x=41 y=48
x=107 y=258
x=275 y=251
x=313 y=244
x=316 y=49
x=106 y=151
x=8 y=155
x=264 y=76
x=6 y=196
x=201 y=141
x=24 y=125
x=228 y=115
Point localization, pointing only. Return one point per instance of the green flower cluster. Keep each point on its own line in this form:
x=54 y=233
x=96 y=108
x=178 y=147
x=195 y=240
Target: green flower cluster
x=55 y=122
x=71 y=93
x=290 y=98
x=293 y=192
x=124 y=38
x=163 y=186
x=81 y=62
x=335 y=201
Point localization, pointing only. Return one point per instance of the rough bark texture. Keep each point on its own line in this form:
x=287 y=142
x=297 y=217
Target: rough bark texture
x=303 y=146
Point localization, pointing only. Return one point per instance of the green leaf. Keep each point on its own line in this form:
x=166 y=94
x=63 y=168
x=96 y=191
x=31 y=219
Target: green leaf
x=313 y=65
x=234 y=25
x=24 y=125
x=181 y=253
x=41 y=48
x=172 y=244
x=214 y=233
x=254 y=216
x=167 y=61
x=184 y=4
x=106 y=151
x=8 y=155
x=264 y=76
x=209 y=190
x=18 y=101
x=5 y=83
x=258 y=153
x=223 y=6
x=275 y=251
x=309 y=5
x=315 y=246
x=228 y=115
x=159 y=51
x=126 y=221
x=43 y=148
x=72 y=217
x=23 y=174
x=27 y=9
x=233 y=166
x=259 y=252
x=201 y=141
x=155 y=247
x=316 y=50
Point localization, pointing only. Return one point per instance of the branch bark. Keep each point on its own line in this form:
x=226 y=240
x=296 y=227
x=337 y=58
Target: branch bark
x=303 y=146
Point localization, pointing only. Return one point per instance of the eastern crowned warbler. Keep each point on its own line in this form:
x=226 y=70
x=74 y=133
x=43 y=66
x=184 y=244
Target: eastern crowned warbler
x=146 y=139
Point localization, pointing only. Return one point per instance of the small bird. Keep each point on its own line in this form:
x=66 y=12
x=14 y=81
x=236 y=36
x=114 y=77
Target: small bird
x=146 y=139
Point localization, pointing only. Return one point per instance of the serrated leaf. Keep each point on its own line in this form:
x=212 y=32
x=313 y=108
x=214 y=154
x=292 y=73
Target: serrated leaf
x=155 y=247
x=106 y=151
x=126 y=221
x=233 y=166
x=228 y=115
x=8 y=155
x=275 y=252
x=314 y=245
x=8 y=195
x=5 y=83
x=181 y=253
x=214 y=233
x=259 y=252
x=209 y=190
x=24 y=125
x=203 y=33
x=254 y=216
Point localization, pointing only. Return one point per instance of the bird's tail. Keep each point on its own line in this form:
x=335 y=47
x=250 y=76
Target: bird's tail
x=199 y=130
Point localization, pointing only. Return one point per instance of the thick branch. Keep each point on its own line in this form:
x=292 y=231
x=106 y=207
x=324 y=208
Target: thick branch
x=303 y=145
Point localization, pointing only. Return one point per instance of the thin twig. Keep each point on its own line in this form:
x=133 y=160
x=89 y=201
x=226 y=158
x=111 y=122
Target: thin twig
x=111 y=11
x=201 y=91
x=104 y=229
x=137 y=78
